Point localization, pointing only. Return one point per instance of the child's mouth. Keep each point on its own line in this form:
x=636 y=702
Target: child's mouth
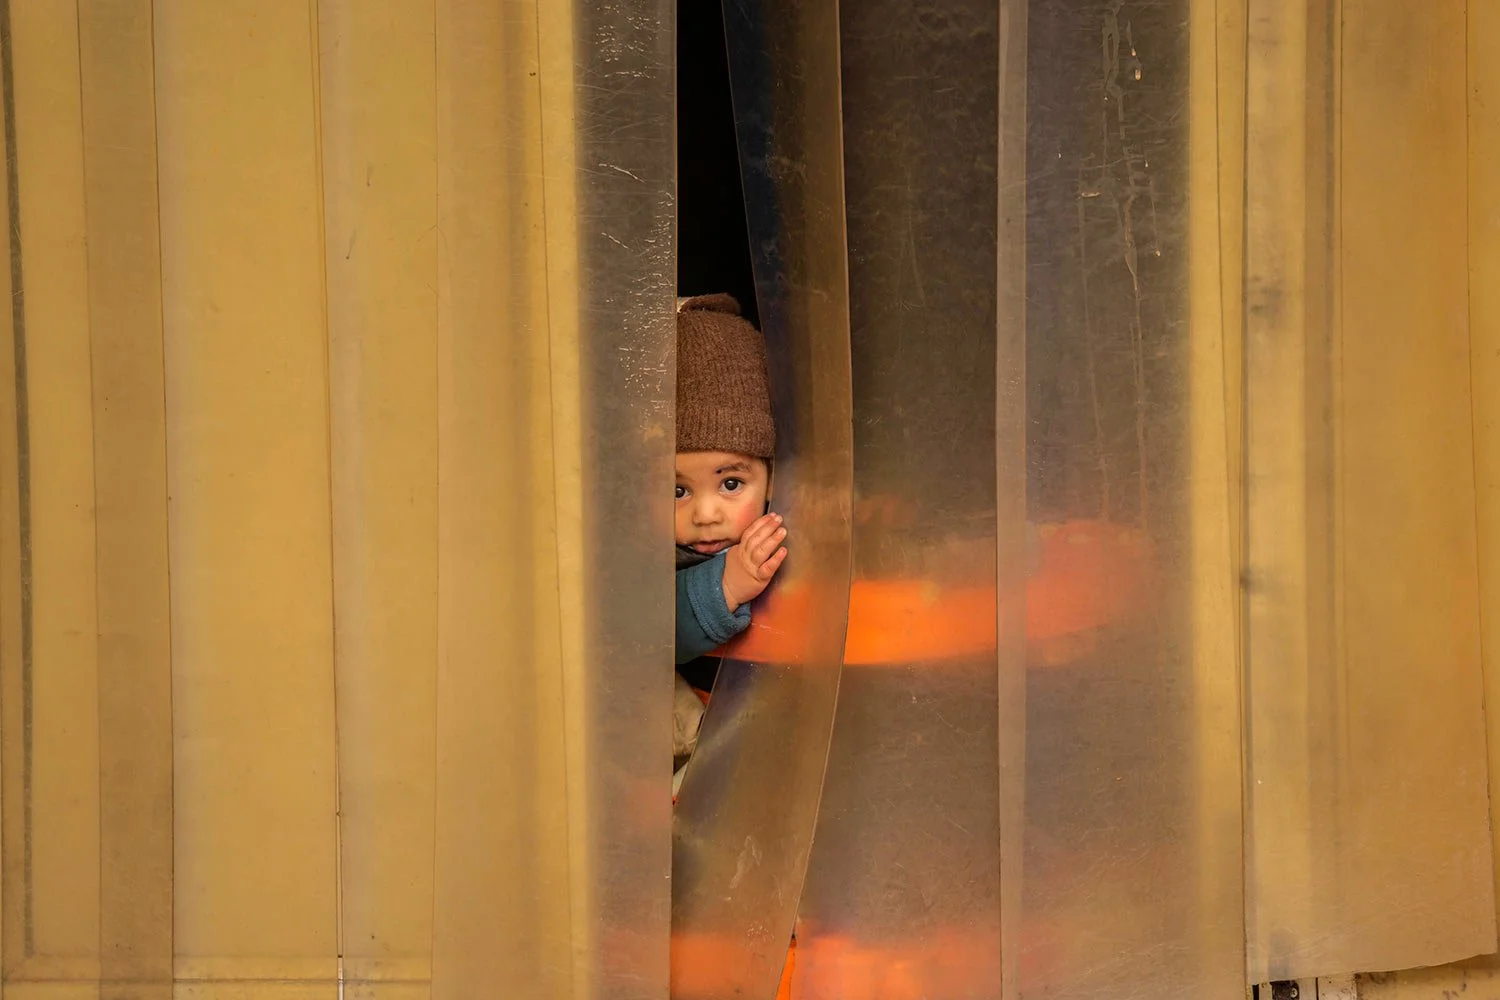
x=710 y=548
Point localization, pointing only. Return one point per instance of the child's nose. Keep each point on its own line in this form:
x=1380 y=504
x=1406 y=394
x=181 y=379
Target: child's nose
x=706 y=512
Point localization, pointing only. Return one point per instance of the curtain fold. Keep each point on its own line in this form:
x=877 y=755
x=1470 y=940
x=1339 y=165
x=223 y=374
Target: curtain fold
x=1368 y=825
x=757 y=777
x=307 y=684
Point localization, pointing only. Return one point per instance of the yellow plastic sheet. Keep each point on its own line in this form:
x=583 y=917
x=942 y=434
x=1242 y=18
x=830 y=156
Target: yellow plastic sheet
x=377 y=81
x=501 y=877
x=248 y=477
x=51 y=672
x=552 y=785
x=296 y=605
x=130 y=496
x=1212 y=491
x=1484 y=353
x=1409 y=572
x=1369 y=842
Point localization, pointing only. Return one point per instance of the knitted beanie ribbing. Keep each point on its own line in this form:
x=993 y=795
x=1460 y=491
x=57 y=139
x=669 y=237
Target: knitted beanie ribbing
x=723 y=396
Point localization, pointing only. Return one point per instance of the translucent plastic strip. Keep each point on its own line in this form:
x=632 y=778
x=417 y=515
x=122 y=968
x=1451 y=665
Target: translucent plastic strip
x=14 y=593
x=51 y=677
x=248 y=475
x=379 y=132
x=745 y=817
x=1229 y=59
x=559 y=52
x=608 y=97
x=1213 y=954
x=1409 y=605
x=1484 y=345
x=902 y=894
x=1011 y=564
x=501 y=915
x=1369 y=846
x=1132 y=837
x=555 y=312
x=130 y=493
x=1277 y=237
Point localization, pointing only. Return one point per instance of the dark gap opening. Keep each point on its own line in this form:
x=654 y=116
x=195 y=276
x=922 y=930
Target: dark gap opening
x=713 y=244
x=713 y=241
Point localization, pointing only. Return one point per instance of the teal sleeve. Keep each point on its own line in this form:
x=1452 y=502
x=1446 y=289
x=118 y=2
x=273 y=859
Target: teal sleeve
x=704 y=621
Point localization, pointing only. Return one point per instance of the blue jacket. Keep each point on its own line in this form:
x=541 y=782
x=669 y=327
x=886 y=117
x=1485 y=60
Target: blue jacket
x=704 y=621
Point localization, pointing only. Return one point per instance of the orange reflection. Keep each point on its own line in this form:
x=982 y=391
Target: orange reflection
x=1090 y=574
x=835 y=965
x=697 y=957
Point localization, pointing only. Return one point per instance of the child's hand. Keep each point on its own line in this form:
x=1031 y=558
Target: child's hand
x=749 y=566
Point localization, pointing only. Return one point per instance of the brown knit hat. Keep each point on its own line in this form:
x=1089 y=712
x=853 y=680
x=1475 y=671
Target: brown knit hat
x=723 y=398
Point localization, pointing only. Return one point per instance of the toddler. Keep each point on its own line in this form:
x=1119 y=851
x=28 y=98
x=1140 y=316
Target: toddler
x=728 y=545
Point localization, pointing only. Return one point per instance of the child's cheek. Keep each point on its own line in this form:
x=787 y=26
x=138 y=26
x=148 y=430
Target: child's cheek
x=682 y=525
x=744 y=516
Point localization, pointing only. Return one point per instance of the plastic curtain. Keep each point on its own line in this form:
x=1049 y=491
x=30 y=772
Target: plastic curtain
x=1138 y=370
x=308 y=686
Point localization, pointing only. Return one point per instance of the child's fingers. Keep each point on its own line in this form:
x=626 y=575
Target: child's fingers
x=763 y=547
x=770 y=566
x=756 y=534
x=763 y=523
x=768 y=544
x=751 y=536
x=759 y=532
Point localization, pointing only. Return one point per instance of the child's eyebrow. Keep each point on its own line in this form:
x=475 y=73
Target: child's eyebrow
x=734 y=467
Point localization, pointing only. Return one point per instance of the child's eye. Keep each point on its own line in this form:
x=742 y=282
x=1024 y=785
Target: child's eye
x=681 y=492
x=733 y=485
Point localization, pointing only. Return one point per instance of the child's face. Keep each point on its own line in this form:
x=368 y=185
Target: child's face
x=719 y=495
